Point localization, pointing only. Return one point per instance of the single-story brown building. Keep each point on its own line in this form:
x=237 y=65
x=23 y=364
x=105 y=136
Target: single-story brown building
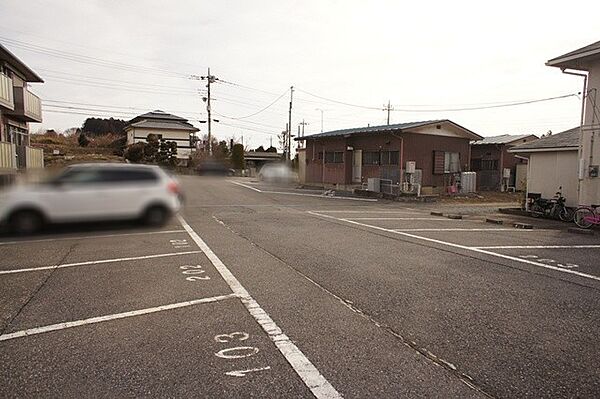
x=498 y=169
x=438 y=149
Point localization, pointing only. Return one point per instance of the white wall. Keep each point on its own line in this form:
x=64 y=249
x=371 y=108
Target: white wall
x=590 y=187
x=549 y=170
x=181 y=137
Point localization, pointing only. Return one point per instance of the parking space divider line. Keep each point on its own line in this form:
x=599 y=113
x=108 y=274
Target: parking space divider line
x=115 y=316
x=304 y=194
x=90 y=237
x=539 y=246
x=312 y=378
x=463 y=247
x=96 y=262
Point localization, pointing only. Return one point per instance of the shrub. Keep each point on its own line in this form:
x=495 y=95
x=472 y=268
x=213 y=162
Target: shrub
x=237 y=156
x=135 y=152
x=83 y=140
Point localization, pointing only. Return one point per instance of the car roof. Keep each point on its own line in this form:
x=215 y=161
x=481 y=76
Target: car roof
x=114 y=165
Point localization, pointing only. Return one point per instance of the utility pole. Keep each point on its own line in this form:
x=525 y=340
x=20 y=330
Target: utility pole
x=388 y=109
x=209 y=79
x=289 y=129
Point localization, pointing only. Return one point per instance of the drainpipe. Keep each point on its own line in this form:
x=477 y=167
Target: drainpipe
x=401 y=158
x=580 y=171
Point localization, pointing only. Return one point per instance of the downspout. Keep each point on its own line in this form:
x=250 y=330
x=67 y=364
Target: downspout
x=580 y=169
x=401 y=159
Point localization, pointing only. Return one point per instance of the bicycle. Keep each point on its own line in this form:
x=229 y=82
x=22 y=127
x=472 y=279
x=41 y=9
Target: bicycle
x=586 y=216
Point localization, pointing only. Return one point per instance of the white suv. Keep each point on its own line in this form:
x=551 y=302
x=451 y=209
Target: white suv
x=92 y=192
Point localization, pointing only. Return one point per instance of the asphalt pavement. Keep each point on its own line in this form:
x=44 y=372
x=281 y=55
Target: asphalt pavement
x=265 y=291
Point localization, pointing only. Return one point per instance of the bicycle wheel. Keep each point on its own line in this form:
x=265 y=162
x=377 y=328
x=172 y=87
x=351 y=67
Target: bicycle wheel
x=583 y=217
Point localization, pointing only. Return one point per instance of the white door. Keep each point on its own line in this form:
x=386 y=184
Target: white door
x=357 y=166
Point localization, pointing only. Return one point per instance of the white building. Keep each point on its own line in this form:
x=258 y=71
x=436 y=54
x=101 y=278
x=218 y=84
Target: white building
x=165 y=126
x=585 y=62
x=552 y=164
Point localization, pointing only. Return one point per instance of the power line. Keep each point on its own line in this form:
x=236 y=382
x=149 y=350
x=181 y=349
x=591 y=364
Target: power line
x=44 y=101
x=511 y=104
x=262 y=109
x=90 y=60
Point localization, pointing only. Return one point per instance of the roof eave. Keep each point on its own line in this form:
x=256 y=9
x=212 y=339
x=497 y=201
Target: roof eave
x=30 y=75
x=573 y=61
x=549 y=149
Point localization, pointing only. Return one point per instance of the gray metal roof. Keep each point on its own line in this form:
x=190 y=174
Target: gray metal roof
x=398 y=128
x=503 y=139
x=166 y=125
x=591 y=50
x=158 y=114
x=12 y=60
x=569 y=139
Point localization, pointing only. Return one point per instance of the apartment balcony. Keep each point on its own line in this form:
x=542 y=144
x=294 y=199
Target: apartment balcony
x=8 y=157
x=7 y=100
x=28 y=106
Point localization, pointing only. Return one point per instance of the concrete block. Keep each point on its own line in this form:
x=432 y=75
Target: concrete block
x=437 y=214
x=523 y=226
x=454 y=216
x=494 y=221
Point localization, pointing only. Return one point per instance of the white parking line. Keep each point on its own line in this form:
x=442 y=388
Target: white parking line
x=319 y=386
x=96 y=262
x=304 y=194
x=114 y=316
x=538 y=246
x=463 y=247
x=368 y=211
x=90 y=237
x=465 y=229
x=444 y=219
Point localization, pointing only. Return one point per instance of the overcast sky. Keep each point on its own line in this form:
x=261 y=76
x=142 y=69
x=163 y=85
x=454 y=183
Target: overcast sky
x=431 y=56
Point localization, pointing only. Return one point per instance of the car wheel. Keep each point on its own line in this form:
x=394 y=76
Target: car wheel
x=26 y=222
x=156 y=215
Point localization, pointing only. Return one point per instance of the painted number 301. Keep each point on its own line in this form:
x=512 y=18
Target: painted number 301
x=196 y=272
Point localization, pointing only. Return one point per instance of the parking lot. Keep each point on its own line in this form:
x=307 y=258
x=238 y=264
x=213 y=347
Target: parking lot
x=259 y=291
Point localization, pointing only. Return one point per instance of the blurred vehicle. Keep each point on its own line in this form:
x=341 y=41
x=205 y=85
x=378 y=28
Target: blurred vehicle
x=276 y=173
x=92 y=192
x=214 y=168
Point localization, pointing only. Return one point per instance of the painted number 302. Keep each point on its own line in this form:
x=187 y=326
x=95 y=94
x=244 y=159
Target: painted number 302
x=195 y=272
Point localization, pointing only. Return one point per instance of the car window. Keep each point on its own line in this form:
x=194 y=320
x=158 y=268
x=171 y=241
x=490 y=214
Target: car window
x=79 y=176
x=127 y=176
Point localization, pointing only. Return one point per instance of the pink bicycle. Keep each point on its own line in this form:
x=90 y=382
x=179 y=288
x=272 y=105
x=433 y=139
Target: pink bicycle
x=586 y=216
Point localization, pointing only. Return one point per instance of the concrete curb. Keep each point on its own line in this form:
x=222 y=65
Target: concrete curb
x=577 y=230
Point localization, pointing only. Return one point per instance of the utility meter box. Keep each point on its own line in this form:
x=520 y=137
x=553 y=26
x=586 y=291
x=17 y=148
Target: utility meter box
x=410 y=166
x=506 y=173
x=594 y=170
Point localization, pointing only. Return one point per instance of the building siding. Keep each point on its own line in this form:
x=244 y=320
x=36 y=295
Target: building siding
x=411 y=146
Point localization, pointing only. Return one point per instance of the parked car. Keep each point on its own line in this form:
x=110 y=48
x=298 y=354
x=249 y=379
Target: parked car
x=92 y=192
x=276 y=173
x=214 y=168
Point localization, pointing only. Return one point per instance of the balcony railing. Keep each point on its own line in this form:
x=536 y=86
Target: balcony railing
x=8 y=158
x=28 y=106
x=6 y=92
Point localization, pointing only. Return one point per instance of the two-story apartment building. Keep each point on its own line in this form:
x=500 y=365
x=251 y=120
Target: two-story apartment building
x=18 y=107
x=585 y=62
